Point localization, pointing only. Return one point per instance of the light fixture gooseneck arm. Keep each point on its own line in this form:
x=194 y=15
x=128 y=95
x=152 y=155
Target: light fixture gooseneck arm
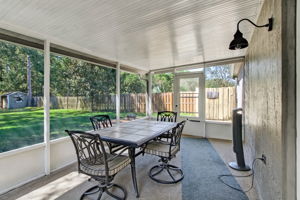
x=270 y=24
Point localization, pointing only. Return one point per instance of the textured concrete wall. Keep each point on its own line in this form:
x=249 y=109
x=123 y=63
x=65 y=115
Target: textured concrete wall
x=298 y=100
x=289 y=98
x=269 y=102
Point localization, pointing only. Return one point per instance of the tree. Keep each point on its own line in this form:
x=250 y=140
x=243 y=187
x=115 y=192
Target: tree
x=72 y=77
x=162 y=82
x=218 y=76
x=13 y=68
x=188 y=85
x=132 y=83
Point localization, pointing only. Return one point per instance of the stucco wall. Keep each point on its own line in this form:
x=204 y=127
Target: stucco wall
x=269 y=101
x=298 y=100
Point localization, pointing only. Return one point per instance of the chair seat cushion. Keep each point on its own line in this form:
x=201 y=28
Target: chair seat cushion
x=160 y=149
x=97 y=168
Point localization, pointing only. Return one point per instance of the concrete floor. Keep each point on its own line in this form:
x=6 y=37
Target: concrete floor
x=224 y=149
x=67 y=183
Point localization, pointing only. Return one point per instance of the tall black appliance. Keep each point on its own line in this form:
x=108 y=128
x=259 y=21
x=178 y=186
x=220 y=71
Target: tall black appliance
x=237 y=140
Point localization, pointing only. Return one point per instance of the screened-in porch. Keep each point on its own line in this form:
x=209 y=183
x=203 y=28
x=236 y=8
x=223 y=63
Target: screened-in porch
x=148 y=100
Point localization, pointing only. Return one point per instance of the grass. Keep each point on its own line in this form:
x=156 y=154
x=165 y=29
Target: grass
x=23 y=127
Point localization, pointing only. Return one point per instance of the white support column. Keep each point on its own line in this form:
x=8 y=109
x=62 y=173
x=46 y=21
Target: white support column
x=47 y=105
x=118 y=93
x=149 y=95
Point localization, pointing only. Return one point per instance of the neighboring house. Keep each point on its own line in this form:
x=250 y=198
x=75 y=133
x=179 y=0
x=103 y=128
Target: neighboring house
x=13 y=100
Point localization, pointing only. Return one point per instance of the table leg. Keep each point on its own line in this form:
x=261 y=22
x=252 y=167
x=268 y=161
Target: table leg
x=133 y=171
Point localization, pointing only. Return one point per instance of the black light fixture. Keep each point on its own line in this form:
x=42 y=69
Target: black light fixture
x=239 y=42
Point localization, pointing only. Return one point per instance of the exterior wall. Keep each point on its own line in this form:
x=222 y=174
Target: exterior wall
x=289 y=98
x=269 y=120
x=218 y=129
x=14 y=174
x=20 y=166
x=298 y=100
x=62 y=153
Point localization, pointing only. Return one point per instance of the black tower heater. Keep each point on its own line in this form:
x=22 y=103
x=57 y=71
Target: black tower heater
x=238 y=141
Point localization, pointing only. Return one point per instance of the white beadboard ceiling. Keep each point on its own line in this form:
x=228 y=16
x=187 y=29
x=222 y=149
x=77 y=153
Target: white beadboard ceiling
x=146 y=34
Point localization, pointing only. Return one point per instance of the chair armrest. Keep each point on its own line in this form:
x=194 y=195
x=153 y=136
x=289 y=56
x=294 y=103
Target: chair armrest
x=112 y=158
x=163 y=142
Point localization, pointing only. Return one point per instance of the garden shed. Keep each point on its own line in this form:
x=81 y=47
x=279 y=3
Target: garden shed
x=13 y=100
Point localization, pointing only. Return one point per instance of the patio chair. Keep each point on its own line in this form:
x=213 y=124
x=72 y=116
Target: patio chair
x=95 y=162
x=166 y=151
x=166 y=116
x=101 y=122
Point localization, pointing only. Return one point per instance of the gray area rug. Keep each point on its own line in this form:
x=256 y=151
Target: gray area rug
x=202 y=165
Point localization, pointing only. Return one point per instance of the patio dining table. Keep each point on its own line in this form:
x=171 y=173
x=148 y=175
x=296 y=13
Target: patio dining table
x=134 y=134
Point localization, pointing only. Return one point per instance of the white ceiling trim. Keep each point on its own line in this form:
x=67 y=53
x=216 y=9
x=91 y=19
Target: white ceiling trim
x=211 y=63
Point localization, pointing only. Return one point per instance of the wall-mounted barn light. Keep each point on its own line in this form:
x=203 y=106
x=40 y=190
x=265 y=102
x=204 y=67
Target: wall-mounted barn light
x=239 y=42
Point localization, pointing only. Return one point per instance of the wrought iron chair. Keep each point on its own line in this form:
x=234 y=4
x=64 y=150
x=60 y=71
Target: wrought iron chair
x=166 y=151
x=166 y=116
x=101 y=122
x=95 y=162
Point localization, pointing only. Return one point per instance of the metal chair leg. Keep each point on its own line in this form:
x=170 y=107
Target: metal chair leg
x=100 y=195
x=165 y=167
x=115 y=196
x=102 y=190
x=90 y=191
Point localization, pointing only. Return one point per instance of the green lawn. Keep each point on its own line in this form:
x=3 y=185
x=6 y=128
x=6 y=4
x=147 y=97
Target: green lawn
x=23 y=127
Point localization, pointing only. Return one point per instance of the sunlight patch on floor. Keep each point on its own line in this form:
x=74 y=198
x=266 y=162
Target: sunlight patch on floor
x=56 y=188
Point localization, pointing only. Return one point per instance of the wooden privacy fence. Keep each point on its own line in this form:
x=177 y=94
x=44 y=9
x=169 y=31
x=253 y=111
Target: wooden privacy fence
x=189 y=102
x=133 y=103
x=220 y=108
x=219 y=102
x=162 y=101
x=129 y=103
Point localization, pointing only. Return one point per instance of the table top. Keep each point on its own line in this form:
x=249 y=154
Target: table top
x=134 y=133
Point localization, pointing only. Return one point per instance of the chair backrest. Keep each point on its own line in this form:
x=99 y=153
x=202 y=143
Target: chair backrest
x=89 y=149
x=176 y=134
x=167 y=116
x=100 y=122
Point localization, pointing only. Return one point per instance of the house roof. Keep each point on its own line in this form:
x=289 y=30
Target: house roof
x=10 y=93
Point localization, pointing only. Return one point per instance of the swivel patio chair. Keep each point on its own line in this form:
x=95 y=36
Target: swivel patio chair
x=166 y=151
x=95 y=162
x=103 y=121
x=166 y=116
